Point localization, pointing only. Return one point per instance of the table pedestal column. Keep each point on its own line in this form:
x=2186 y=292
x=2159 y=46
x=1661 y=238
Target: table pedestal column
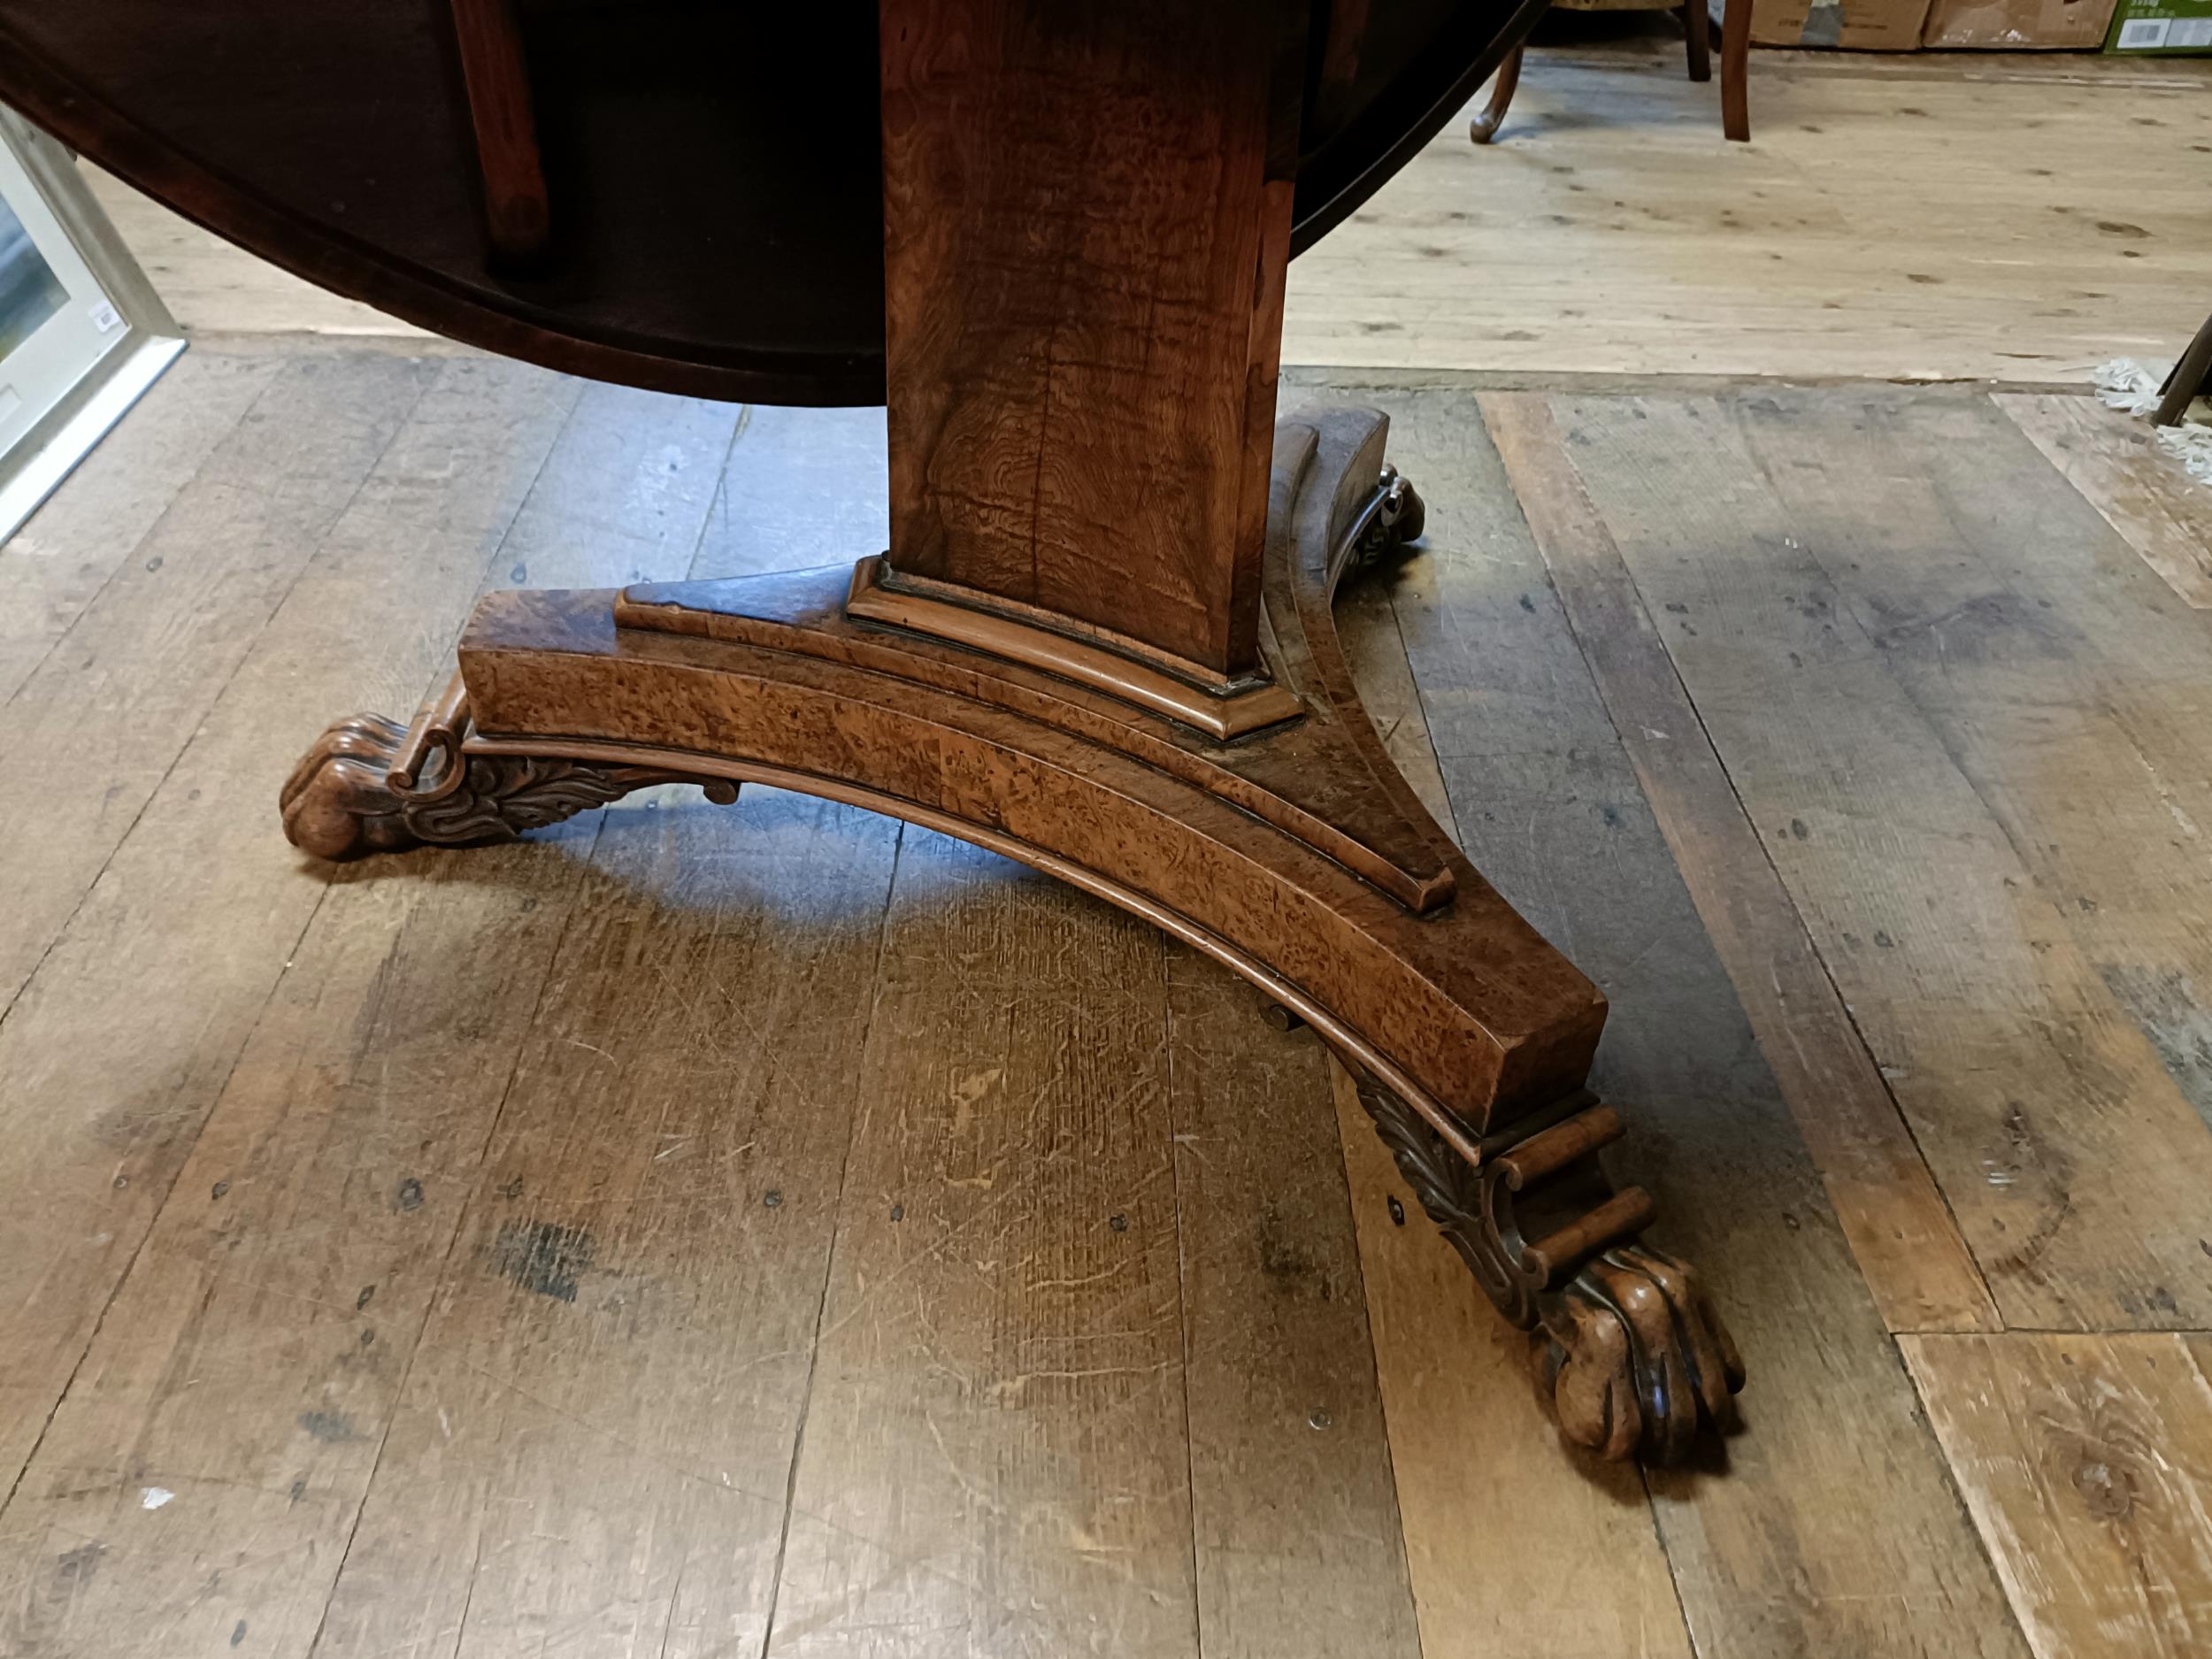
x=1101 y=643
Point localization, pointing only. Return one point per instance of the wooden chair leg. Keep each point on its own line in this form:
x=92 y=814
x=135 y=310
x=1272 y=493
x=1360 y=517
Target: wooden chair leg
x=2192 y=378
x=1484 y=126
x=517 y=218
x=1698 y=27
x=1735 y=66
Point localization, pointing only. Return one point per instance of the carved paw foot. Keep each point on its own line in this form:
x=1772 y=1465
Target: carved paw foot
x=339 y=801
x=342 y=799
x=1629 y=1352
x=1633 y=1359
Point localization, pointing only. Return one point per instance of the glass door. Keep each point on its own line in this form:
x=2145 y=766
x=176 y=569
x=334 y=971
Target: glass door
x=81 y=333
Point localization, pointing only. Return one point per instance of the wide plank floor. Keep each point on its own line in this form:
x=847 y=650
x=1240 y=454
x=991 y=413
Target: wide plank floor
x=1935 y=216
x=770 y=1230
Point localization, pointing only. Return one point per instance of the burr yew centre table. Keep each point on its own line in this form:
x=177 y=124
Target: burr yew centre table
x=1052 y=237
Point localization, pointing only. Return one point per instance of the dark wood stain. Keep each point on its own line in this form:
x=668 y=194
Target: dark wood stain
x=542 y=1257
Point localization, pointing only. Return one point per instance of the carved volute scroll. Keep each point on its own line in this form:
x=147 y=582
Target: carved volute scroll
x=362 y=787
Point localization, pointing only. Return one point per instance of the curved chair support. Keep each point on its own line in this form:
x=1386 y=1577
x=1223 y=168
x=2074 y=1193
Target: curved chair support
x=1735 y=71
x=1697 y=28
x=1484 y=126
x=1293 y=853
x=1697 y=34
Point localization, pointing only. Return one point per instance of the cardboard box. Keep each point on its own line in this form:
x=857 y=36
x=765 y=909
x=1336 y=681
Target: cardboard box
x=1877 y=26
x=2018 y=25
x=2169 y=28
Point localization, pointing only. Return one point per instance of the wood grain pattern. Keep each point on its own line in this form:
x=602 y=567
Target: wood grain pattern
x=2063 y=1148
x=2068 y=685
x=772 y=682
x=1907 y=1244
x=1084 y=235
x=1462 y=1423
x=993 y=1457
x=250 y=1365
x=1375 y=653
x=61 y=559
x=2142 y=493
x=1619 y=220
x=769 y=680
x=1862 y=1528
x=1280 y=1375
x=149 y=655
x=770 y=899
x=199 y=897
x=2087 y=1463
x=606 y=1527
x=193 y=896
x=596 y=1443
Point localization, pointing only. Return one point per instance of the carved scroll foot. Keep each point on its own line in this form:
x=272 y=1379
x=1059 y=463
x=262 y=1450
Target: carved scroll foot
x=369 y=784
x=1629 y=1352
x=1484 y=126
x=339 y=801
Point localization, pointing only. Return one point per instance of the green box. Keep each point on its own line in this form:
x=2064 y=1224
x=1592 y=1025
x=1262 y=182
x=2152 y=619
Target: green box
x=2162 y=29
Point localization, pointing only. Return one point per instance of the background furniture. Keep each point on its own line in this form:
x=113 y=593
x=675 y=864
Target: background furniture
x=2190 y=378
x=1735 y=109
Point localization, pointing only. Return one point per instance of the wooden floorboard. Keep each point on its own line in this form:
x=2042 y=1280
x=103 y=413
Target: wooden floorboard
x=217 y=1440
x=2114 y=461
x=2063 y=1145
x=593 y=1446
x=146 y=659
x=1468 y=1443
x=764 y=1228
x=2087 y=1462
x=994 y=1457
x=185 y=934
x=1463 y=1421
x=2061 y=675
x=1864 y=1528
x=1610 y=228
x=1294 y=1515
x=59 y=563
x=1907 y=1243
x=124 y=1035
x=814 y=490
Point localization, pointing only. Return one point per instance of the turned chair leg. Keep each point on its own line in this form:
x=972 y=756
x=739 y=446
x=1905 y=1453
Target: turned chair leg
x=517 y=220
x=1698 y=27
x=1484 y=126
x=1735 y=65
